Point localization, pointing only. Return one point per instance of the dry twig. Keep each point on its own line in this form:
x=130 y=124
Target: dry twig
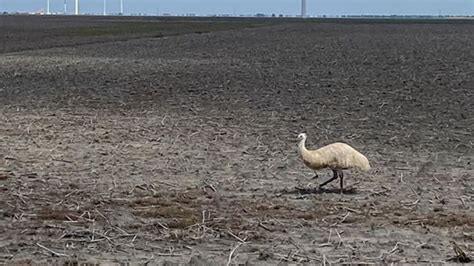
x=57 y=254
x=461 y=256
x=232 y=253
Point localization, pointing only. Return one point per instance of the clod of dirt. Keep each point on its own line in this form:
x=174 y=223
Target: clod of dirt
x=264 y=255
x=30 y=175
x=5 y=176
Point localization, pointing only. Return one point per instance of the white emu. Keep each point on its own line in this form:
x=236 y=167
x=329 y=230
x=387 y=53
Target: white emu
x=337 y=156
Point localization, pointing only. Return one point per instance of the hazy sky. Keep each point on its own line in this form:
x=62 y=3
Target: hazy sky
x=288 y=7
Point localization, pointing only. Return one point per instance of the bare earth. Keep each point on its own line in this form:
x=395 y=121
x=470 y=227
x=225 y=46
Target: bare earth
x=182 y=147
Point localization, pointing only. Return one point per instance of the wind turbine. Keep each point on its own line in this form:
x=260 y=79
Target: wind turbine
x=47 y=7
x=303 y=8
x=77 y=8
x=121 y=7
x=105 y=8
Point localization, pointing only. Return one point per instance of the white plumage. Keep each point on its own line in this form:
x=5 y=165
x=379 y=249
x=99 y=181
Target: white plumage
x=336 y=156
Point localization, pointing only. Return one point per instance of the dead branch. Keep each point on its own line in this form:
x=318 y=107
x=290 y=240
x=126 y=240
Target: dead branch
x=57 y=254
x=232 y=253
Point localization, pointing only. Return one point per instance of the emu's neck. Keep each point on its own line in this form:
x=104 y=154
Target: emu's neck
x=302 y=147
x=312 y=158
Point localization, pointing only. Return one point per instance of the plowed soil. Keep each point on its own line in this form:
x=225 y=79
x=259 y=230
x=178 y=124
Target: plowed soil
x=180 y=147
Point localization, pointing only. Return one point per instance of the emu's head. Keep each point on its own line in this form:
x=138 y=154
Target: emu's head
x=301 y=136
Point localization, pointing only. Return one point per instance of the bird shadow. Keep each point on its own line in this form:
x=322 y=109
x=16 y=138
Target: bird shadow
x=306 y=191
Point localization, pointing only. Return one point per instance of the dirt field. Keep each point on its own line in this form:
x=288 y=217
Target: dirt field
x=180 y=147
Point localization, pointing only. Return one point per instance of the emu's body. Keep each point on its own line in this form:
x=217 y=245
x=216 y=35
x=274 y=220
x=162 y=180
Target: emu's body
x=337 y=156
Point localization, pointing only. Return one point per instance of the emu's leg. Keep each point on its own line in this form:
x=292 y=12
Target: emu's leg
x=341 y=177
x=330 y=180
x=315 y=175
